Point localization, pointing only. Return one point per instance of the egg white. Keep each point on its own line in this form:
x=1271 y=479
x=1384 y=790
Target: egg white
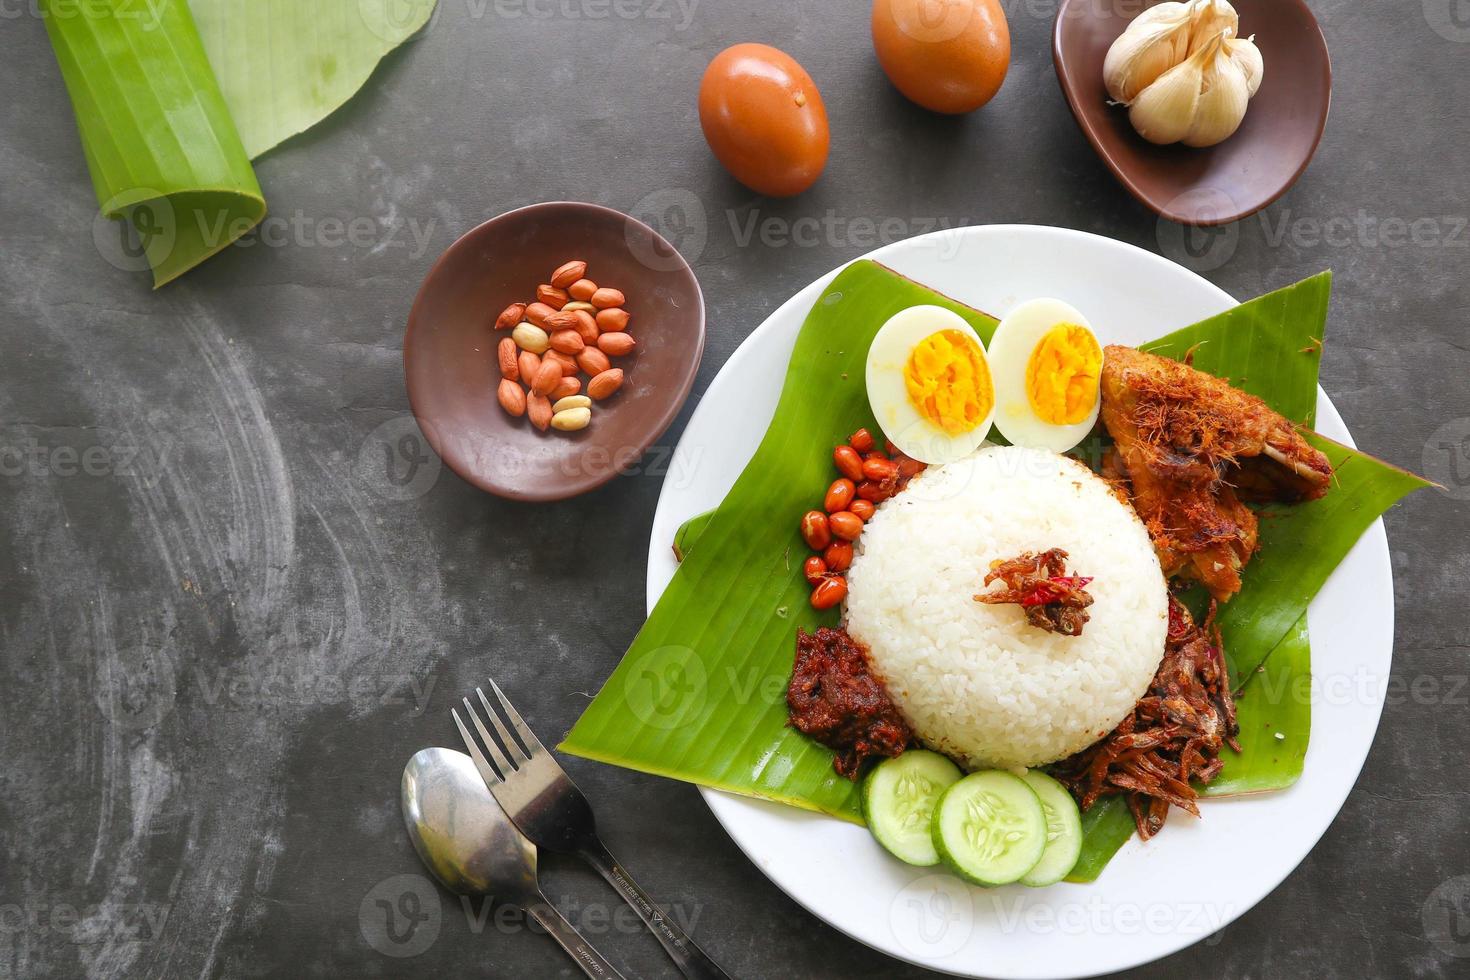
x=1010 y=352
x=889 y=398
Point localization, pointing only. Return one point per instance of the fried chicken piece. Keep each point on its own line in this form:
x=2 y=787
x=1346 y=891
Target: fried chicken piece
x=1193 y=449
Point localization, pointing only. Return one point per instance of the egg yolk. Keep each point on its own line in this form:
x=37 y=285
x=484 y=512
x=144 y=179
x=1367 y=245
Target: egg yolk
x=948 y=381
x=1062 y=375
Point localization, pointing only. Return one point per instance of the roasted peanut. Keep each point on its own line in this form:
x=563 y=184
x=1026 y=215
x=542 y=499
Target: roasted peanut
x=512 y=397
x=878 y=469
x=567 y=362
x=861 y=440
x=578 y=304
x=531 y=337
x=845 y=525
x=546 y=378
x=582 y=289
x=864 y=509
x=612 y=321
x=593 y=361
x=572 y=419
x=848 y=462
x=616 y=344
x=605 y=383
x=551 y=296
x=528 y=364
x=512 y=315
x=567 y=341
x=815 y=530
x=560 y=320
x=508 y=354
x=567 y=387
x=568 y=273
x=587 y=327
x=839 y=495
x=829 y=593
x=538 y=312
x=814 y=569
x=571 y=401
x=838 y=556
x=538 y=410
x=606 y=298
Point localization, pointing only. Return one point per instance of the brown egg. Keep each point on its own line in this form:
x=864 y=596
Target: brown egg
x=764 y=119
x=947 y=55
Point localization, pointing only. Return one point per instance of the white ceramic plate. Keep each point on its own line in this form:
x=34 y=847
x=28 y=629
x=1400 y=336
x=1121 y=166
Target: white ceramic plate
x=1155 y=898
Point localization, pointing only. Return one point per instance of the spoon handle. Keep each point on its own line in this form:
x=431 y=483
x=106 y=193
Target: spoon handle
x=590 y=960
x=692 y=961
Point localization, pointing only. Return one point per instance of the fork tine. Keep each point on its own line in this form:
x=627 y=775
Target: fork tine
x=487 y=773
x=507 y=754
x=533 y=744
x=512 y=747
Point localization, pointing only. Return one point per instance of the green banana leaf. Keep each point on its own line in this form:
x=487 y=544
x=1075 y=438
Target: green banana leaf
x=157 y=133
x=284 y=67
x=173 y=99
x=700 y=695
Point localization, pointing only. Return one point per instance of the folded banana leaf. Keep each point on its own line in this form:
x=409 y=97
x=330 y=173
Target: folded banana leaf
x=161 y=146
x=173 y=99
x=700 y=694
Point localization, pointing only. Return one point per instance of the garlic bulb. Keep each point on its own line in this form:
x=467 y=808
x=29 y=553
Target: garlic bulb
x=1208 y=18
x=1199 y=102
x=1183 y=73
x=1164 y=111
x=1223 y=95
x=1154 y=42
x=1244 y=52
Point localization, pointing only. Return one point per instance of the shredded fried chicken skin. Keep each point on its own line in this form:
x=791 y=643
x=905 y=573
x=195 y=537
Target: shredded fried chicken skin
x=1174 y=735
x=1192 y=449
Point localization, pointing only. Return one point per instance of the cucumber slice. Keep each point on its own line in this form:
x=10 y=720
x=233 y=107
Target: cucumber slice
x=1063 y=830
x=898 y=803
x=989 y=828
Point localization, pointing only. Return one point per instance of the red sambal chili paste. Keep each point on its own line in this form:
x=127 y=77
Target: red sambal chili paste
x=834 y=698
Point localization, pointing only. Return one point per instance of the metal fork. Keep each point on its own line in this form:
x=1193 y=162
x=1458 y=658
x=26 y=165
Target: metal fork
x=544 y=803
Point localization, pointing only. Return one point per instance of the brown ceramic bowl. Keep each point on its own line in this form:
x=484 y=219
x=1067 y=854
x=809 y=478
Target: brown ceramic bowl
x=449 y=353
x=1233 y=179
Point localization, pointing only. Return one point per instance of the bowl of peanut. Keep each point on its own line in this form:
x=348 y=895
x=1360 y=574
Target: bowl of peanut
x=549 y=347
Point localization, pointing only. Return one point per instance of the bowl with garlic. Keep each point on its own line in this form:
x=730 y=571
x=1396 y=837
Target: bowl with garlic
x=1206 y=110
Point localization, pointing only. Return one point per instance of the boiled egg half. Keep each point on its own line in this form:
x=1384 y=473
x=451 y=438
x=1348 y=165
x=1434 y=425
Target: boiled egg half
x=929 y=384
x=1047 y=364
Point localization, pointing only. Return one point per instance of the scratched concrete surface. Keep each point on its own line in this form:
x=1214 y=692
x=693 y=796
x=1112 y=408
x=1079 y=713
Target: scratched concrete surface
x=235 y=600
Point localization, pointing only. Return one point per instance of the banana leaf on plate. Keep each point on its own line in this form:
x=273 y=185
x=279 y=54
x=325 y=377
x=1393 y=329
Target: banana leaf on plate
x=700 y=695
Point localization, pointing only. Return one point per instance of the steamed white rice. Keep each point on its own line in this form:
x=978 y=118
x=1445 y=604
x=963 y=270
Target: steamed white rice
x=975 y=680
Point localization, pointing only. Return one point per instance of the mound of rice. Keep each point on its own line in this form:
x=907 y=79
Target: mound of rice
x=975 y=680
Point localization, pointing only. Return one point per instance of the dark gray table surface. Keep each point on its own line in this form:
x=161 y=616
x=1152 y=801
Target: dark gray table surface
x=225 y=629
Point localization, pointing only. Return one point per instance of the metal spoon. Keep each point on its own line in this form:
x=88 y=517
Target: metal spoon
x=467 y=842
